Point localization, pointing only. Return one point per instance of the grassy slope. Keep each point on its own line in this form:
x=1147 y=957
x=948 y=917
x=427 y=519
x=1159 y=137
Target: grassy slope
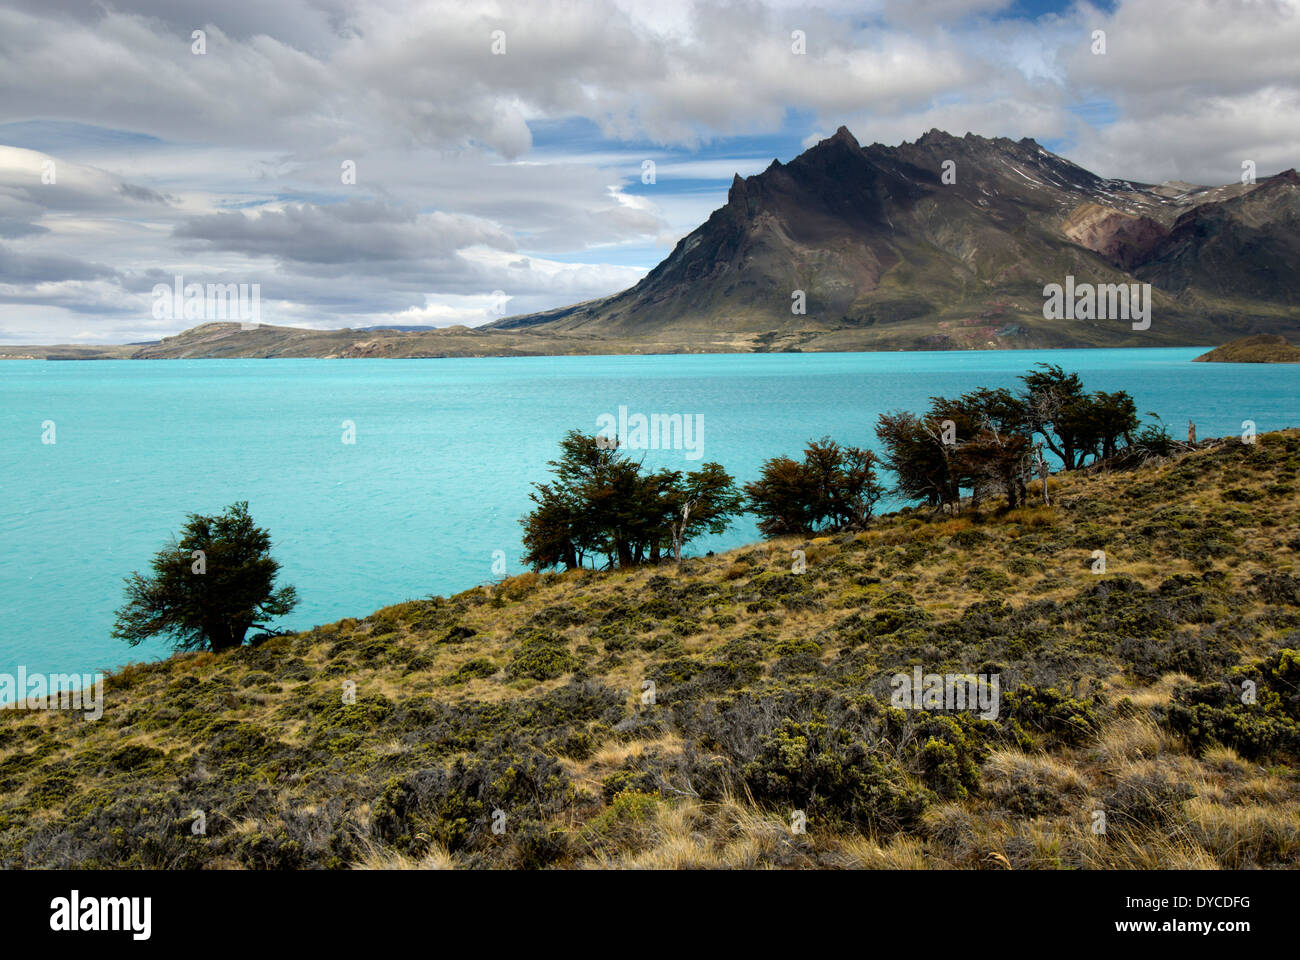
x=1264 y=348
x=772 y=693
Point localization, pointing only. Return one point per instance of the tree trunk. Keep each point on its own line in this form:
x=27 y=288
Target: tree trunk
x=223 y=636
x=1043 y=472
x=679 y=531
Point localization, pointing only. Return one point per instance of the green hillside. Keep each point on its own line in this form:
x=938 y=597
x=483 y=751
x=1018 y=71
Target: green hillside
x=1122 y=705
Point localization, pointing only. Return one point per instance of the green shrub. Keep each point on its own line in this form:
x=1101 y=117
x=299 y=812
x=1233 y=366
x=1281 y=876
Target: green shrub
x=966 y=539
x=537 y=846
x=134 y=757
x=471 y=670
x=1199 y=655
x=832 y=777
x=541 y=657
x=952 y=753
x=1255 y=710
x=1039 y=717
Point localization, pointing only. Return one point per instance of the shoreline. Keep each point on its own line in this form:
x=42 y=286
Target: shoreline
x=684 y=353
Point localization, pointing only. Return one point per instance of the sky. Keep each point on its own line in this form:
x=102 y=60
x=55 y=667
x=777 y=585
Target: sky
x=428 y=163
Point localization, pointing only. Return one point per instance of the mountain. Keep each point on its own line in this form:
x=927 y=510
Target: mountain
x=945 y=243
x=890 y=253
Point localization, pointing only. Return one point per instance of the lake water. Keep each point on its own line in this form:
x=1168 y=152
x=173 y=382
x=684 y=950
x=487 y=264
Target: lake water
x=444 y=457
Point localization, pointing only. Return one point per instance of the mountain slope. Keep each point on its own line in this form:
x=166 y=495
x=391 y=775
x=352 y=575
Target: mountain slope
x=891 y=253
x=1246 y=247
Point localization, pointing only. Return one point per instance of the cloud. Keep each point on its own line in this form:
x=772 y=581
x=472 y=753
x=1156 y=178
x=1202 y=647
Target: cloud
x=17 y=227
x=40 y=183
x=1198 y=87
x=354 y=232
x=35 y=268
x=425 y=74
x=228 y=164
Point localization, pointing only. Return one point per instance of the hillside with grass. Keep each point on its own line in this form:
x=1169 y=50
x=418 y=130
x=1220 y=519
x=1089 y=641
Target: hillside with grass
x=1262 y=348
x=1149 y=715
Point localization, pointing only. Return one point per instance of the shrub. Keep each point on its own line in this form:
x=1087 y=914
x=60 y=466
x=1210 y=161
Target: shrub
x=541 y=657
x=471 y=670
x=834 y=778
x=1265 y=725
x=1199 y=655
x=966 y=539
x=454 y=805
x=537 y=846
x=951 y=755
x=1037 y=717
x=134 y=757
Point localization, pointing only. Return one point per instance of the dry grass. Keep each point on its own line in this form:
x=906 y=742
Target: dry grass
x=375 y=858
x=1033 y=808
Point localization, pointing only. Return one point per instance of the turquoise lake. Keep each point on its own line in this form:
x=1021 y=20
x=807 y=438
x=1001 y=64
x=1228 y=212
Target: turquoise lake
x=444 y=457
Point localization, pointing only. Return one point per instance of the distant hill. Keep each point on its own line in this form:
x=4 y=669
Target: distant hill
x=68 y=351
x=222 y=340
x=1264 y=348
x=226 y=340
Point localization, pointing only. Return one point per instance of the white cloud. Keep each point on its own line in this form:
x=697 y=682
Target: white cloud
x=228 y=164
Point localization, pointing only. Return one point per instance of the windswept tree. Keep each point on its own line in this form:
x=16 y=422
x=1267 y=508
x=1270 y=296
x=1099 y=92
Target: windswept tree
x=1114 y=415
x=1074 y=424
x=916 y=454
x=602 y=505
x=1152 y=442
x=551 y=537
x=1056 y=407
x=704 y=501
x=558 y=532
x=983 y=441
x=833 y=488
x=979 y=441
x=990 y=450
x=209 y=587
x=992 y=462
x=781 y=498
